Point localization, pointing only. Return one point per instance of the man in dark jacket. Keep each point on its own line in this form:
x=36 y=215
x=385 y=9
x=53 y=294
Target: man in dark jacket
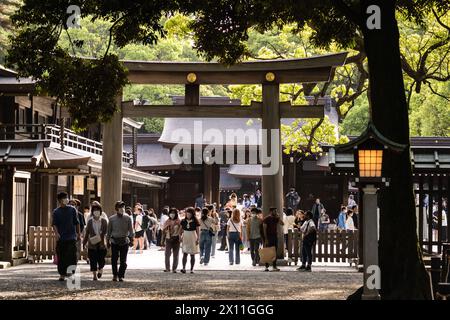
x=316 y=210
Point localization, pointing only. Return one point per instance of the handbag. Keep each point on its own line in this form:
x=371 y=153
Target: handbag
x=211 y=230
x=95 y=239
x=267 y=255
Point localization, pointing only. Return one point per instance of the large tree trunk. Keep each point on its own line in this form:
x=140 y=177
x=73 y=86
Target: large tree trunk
x=403 y=274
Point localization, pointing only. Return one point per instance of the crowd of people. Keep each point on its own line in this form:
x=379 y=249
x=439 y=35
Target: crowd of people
x=238 y=226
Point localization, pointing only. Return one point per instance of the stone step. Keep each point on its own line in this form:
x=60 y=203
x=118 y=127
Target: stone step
x=5 y=265
x=19 y=261
x=18 y=254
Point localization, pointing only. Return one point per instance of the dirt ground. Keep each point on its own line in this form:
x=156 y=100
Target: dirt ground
x=39 y=281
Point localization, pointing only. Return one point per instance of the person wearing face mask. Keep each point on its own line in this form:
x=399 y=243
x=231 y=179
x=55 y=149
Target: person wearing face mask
x=172 y=231
x=96 y=230
x=254 y=234
x=190 y=237
x=76 y=204
x=103 y=215
x=119 y=238
x=67 y=231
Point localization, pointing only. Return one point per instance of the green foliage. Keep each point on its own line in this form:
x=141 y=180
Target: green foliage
x=357 y=118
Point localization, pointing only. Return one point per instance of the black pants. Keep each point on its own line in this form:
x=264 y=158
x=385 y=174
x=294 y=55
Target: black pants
x=66 y=250
x=223 y=241
x=96 y=258
x=185 y=255
x=254 y=249
x=149 y=234
x=307 y=253
x=272 y=242
x=116 y=252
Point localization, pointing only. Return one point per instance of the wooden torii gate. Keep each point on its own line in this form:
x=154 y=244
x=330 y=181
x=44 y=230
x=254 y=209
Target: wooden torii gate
x=269 y=73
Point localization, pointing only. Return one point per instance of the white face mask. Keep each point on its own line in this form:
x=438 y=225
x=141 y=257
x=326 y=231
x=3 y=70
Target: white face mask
x=121 y=210
x=172 y=215
x=65 y=201
x=97 y=214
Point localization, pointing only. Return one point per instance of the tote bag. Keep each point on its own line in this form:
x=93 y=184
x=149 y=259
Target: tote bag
x=267 y=255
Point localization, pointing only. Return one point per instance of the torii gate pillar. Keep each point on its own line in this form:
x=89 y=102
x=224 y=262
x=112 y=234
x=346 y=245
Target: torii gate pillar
x=272 y=180
x=111 y=190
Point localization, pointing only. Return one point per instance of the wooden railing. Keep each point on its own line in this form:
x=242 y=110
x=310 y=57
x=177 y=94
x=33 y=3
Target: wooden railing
x=331 y=246
x=61 y=137
x=41 y=243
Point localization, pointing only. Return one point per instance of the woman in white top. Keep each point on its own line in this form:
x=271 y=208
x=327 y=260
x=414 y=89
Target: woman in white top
x=138 y=232
x=289 y=220
x=349 y=224
x=234 y=233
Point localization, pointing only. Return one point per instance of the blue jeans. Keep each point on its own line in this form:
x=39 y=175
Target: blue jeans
x=213 y=246
x=205 y=245
x=233 y=245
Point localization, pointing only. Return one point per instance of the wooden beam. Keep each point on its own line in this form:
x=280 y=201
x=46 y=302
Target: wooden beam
x=218 y=111
x=312 y=75
x=184 y=111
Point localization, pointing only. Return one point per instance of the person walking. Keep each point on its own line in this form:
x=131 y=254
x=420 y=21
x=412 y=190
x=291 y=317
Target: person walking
x=349 y=224
x=289 y=221
x=234 y=234
x=316 y=210
x=147 y=224
x=162 y=221
x=309 y=232
x=216 y=229
x=67 y=231
x=206 y=235
x=96 y=231
x=190 y=238
x=119 y=237
x=255 y=233
x=172 y=231
x=200 y=201
x=138 y=231
x=342 y=218
x=270 y=225
x=76 y=204
x=324 y=221
x=292 y=199
x=224 y=216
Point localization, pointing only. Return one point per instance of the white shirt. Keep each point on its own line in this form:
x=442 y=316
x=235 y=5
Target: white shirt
x=288 y=223
x=349 y=225
x=163 y=220
x=232 y=228
x=444 y=218
x=307 y=226
x=138 y=223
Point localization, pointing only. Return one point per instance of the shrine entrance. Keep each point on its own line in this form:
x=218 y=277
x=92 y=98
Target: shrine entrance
x=270 y=74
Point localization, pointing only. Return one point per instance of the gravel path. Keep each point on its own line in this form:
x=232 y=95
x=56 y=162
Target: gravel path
x=39 y=281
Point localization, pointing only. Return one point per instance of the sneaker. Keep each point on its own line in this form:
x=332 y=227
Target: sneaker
x=61 y=278
x=275 y=270
x=95 y=278
x=201 y=260
x=114 y=278
x=192 y=271
x=266 y=270
x=308 y=268
x=166 y=270
x=205 y=264
x=183 y=271
x=120 y=279
x=174 y=271
x=231 y=263
x=254 y=264
x=99 y=274
x=302 y=267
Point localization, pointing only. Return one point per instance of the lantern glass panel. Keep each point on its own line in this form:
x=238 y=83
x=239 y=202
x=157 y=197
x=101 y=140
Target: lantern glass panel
x=370 y=163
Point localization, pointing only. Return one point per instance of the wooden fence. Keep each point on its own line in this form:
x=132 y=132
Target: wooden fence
x=331 y=246
x=42 y=244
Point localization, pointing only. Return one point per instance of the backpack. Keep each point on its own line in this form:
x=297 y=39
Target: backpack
x=145 y=222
